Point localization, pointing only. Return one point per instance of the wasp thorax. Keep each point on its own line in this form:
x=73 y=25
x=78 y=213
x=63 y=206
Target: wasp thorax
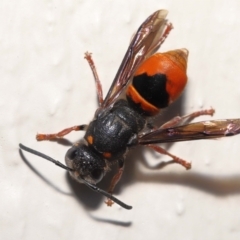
x=86 y=164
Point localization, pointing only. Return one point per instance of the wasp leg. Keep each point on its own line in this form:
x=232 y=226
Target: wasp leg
x=189 y=117
x=157 y=45
x=160 y=165
x=115 y=180
x=88 y=57
x=41 y=137
x=175 y=159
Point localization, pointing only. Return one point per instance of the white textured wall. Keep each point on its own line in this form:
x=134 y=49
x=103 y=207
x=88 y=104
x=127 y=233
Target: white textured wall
x=46 y=85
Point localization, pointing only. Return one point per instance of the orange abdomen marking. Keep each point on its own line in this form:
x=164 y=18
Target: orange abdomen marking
x=158 y=81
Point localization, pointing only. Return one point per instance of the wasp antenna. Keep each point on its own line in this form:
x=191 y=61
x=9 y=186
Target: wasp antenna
x=45 y=157
x=106 y=194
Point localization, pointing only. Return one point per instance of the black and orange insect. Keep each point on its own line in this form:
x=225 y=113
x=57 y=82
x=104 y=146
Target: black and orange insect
x=149 y=82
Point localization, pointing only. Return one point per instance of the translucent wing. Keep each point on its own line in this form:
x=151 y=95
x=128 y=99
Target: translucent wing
x=147 y=39
x=193 y=131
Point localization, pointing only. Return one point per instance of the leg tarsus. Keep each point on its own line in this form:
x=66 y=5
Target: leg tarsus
x=189 y=117
x=175 y=159
x=116 y=178
x=88 y=57
x=41 y=137
x=157 y=45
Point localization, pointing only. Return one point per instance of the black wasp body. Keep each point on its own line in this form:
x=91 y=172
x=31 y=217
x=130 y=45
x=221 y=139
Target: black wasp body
x=106 y=141
x=151 y=82
x=114 y=130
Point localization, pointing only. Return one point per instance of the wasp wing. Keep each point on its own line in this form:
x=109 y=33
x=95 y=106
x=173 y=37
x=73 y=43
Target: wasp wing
x=145 y=42
x=193 y=131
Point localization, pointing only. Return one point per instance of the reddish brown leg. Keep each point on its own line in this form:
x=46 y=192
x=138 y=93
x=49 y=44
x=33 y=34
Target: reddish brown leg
x=88 y=57
x=176 y=120
x=157 y=45
x=114 y=182
x=41 y=137
x=175 y=159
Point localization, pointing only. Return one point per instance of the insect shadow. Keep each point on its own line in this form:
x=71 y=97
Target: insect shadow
x=41 y=176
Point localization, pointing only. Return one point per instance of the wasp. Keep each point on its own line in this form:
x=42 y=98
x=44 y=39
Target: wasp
x=145 y=83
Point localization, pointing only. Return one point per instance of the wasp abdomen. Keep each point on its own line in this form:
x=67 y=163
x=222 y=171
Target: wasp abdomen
x=158 y=81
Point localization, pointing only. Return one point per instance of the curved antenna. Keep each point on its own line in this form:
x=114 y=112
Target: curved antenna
x=106 y=194
x=91 y=186
x=45 y=157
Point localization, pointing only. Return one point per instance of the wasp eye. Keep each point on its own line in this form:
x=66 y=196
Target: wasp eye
x=72 y=153
x=97 y=175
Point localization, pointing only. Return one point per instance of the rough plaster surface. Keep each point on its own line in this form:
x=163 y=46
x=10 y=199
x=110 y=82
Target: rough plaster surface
x=46 y=85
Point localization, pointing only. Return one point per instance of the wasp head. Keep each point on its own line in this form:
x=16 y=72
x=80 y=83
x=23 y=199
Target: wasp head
x=86 y=164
